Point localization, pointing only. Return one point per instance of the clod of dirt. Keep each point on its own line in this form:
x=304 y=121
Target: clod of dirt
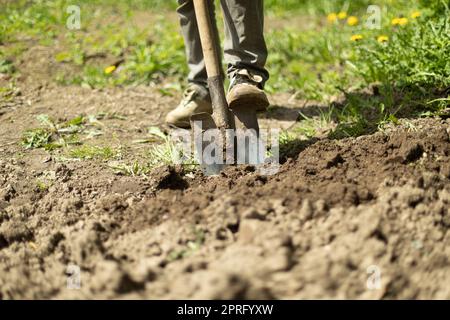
x=7 y=193
x=306 y=211
x=217 y=285
x=248 y=230
x=145 y=271
x=110 y=278
x=112 y=204
x=14 y=231
x=71 y=205
x=410 y=151
x=334 y=160
x=445 y=170
x=86 y=247
x=53 y=241
x=168 y=177
x=63 y=172
x=3 y=242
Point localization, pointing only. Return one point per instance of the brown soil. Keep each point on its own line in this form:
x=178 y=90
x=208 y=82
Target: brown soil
x=334 y=210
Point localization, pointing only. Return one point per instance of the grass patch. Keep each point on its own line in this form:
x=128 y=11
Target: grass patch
x=130 y=169
x=42 y=186
x=166 y=151
x=6 y=66
x=87 y=152
x=9 y=92
x=163 y=151
x=52 y=135
x=36 y=138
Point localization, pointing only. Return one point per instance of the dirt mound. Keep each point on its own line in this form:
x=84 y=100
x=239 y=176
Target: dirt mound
x=336 y=219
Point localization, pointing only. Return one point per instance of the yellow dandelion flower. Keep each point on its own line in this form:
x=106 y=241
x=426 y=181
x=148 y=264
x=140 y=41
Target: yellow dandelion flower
x=342 y=15
x=332 y=17
x=352 y=21
x=415 y=14
x=382 y=39
x=356 y=37
x=110 y=69
x=399 y=21
x=403 y=21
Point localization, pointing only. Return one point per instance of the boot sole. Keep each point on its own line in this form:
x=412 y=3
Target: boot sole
x=257 y=101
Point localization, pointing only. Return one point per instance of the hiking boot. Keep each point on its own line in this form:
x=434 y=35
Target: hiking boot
x=246 y=90
x=196 y=99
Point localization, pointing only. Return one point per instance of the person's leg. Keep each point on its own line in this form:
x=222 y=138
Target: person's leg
x=245 y=53
x=196 y=96
x=245 y=47
x=189 y=30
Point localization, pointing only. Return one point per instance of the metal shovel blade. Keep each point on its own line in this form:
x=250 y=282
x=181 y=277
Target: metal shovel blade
x=247 y=146
x=208 y=147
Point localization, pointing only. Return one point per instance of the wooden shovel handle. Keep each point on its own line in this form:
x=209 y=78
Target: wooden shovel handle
x=207 y=37
x=221 y=114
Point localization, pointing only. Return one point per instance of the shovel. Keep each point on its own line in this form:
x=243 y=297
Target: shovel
x=222 y=124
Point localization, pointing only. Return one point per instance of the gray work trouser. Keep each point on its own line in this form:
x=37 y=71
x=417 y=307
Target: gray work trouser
x=244 y=46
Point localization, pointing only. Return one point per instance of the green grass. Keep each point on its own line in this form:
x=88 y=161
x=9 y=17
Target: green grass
x=409 y=74
x=88 y=152
x=313 y=62
x=42 y=186
x=130 y=169
x=164 y=151
x=6 y=66
x=36 y=138
x=51 y=135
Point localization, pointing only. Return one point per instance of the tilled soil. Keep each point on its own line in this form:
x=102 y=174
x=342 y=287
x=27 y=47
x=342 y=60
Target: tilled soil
x=339 y=215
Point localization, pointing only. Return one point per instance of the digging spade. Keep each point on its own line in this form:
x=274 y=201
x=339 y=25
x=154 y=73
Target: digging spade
x=220 y=127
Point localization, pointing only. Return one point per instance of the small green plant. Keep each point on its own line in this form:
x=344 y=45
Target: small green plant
x=53 y=135
x=6 y=66
x=134 y=169
x=42 y=186
x=163 y=152
x=36 y=138
x=167 y=152
x=9 y=92
x=190 y=247
x=87 y=152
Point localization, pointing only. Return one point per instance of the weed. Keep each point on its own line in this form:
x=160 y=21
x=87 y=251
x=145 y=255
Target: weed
x=190 y=246
x=87 y=152
x=52 y=135
x=36 y=138
x=134 y=169
x=6 y=66
x=9 y=92
x=42 y=186
x=167 y=151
